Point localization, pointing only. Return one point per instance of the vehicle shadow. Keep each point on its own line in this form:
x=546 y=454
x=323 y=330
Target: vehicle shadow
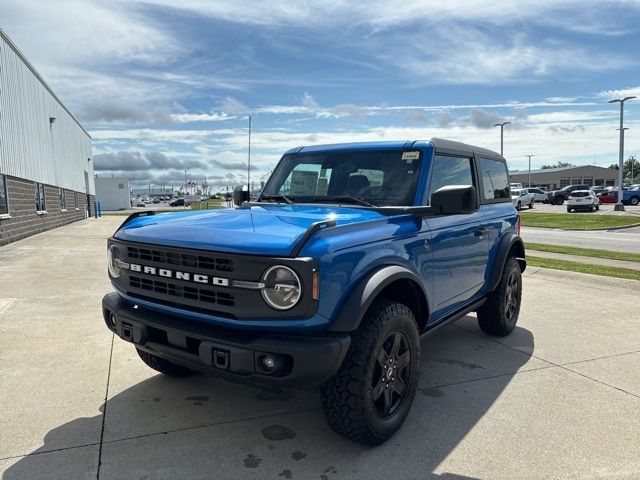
x=158 y=428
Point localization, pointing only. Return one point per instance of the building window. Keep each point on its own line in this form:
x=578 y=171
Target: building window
x=41 y=205
x=576 y=181
x=599 y=181
x=63 y=199
x=587 y=181
x=75 y=200
x=4 y=196
x=564 y=182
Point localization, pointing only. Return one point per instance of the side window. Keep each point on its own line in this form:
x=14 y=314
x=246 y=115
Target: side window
x=4 y=201
x=40 y=200
x=63 y=199
x=495 y=183
x=450 y=171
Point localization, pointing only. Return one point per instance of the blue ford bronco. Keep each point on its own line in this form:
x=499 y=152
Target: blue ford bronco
x=329 y=277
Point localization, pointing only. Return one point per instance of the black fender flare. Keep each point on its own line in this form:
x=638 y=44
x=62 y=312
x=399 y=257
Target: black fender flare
x=508 y=243
x=353 y=308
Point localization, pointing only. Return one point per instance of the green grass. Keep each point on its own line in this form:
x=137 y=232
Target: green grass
x=626 y=273
x=207 y=205
x=577 y=221
x=584 y=252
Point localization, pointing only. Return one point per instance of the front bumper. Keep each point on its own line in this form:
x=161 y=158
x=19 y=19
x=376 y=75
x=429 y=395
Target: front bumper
x=234 y=355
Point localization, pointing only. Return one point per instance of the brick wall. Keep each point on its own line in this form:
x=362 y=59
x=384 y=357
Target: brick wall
x=25 y=221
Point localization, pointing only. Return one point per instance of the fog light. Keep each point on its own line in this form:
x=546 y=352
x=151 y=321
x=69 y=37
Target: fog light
x=268 y=362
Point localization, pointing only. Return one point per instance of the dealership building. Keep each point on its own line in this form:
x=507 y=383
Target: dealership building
x=46 y=171
x=554 y=178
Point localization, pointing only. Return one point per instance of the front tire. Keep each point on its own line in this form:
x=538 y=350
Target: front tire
x=531 y=205
x=634 y=200
x=164 y=366
x=499 y=314
x=559 y=201
x=568 y=210
x=369 y=398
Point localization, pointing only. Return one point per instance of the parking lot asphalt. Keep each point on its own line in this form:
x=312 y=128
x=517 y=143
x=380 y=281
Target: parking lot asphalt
x=558 y=398
x=605 y=209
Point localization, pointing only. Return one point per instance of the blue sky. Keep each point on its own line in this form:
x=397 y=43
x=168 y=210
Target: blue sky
x=165 y=86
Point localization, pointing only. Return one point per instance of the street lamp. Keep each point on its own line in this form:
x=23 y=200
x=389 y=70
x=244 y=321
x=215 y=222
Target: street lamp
x=501 y=125
x=619 y=206
x=184 y=197
x=529 y=168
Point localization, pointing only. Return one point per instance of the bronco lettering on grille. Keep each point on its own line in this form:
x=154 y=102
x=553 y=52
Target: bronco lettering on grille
x=189 y=277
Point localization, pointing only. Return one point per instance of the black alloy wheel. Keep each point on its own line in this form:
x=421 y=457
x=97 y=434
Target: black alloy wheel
x=391 y=374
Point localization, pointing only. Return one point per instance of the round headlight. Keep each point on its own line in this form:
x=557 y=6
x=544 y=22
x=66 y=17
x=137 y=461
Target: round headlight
x=282 y=288
x=113 y=257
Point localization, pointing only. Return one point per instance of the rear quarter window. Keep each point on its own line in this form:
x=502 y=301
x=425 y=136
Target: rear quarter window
x=495 y=182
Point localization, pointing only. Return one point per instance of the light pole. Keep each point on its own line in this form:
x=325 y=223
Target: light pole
x=501 y=125
x=184 y=197
x=633 y=160
x=249 y=163
x=529 y=168
x=619 y=206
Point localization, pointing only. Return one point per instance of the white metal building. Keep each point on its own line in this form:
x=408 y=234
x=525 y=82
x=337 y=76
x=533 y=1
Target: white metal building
x=46 y=172
x=113 y=193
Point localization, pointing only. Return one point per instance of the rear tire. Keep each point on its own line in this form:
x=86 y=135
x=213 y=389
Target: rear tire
x=164 y=366
x=499 y=314
x=634 y=200
x=369 y=398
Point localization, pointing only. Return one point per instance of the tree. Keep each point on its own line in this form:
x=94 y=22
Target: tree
x=626 y=173
x=558 y=165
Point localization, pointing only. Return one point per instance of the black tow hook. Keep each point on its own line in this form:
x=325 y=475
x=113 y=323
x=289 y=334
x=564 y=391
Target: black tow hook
x=221 y=359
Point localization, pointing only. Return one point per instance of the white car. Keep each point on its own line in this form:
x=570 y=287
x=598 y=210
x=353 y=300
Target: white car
x=583 y=200
x=538 y=195
x=520 y=198
x=515 y=186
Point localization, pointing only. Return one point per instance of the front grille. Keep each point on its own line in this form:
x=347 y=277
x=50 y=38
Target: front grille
x=181 y=291
x=200 y=262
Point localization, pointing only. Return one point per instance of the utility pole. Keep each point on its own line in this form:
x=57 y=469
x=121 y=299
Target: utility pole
x=619 y=206
x=529 y=168
x=501 y=125
x=249 y=163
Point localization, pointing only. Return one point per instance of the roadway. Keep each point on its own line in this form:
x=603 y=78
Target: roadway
x=625 y=240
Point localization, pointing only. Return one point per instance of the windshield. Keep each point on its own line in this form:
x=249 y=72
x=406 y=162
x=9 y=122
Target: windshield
x=516 y=193
x=383 y=178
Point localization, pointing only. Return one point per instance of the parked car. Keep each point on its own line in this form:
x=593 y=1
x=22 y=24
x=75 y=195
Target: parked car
x=178 y=202
x=583 y=200
x=325 y=280
x=631 y=196
x=558 y=197
x=608 y=196
x=538 y=194
x=520 y=198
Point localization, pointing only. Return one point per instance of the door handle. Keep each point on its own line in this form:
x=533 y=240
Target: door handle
x=481 y=232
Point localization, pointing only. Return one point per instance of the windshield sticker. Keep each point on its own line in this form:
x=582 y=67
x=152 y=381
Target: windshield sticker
x=410 y=156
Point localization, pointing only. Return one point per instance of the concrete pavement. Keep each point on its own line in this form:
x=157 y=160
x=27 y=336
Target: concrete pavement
x=559 y=398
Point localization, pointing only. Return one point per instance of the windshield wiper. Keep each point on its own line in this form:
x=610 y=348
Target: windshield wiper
x=284 y=198
x=346 y=198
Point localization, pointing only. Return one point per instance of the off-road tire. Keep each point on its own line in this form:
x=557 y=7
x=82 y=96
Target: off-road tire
x=164 y=366
x=499 y=314
x=348 y=398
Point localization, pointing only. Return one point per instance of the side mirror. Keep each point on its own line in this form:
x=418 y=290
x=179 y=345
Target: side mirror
x=240 y=194
x=454 y=199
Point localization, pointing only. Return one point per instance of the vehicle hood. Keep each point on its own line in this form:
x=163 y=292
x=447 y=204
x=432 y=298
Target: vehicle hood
x=272 y=229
